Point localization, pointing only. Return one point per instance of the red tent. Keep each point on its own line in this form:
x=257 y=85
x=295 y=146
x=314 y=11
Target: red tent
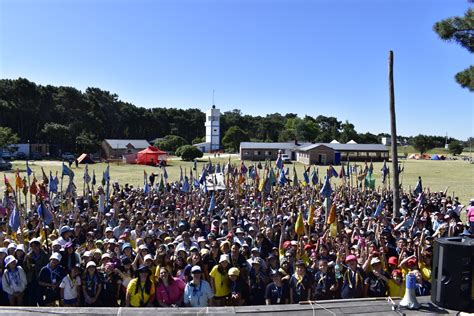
x=151 y=156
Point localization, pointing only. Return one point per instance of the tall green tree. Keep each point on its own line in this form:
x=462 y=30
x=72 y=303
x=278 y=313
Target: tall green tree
x=423 y=143
x=7 y=137
x=233 y=137
x=455 y=148
x=460 y=30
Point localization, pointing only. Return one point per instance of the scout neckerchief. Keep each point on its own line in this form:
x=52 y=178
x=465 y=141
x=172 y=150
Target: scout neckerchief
x=13 y=276
x=346 y=275
x=72 y=282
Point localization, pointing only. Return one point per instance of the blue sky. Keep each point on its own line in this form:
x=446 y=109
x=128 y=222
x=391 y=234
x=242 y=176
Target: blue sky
x=305 y=57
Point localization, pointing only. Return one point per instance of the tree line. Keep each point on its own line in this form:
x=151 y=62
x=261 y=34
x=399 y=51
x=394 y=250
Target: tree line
x=78 y=121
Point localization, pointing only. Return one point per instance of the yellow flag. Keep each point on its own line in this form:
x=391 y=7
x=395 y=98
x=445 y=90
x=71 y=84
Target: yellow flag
x=261 y=185
x=299 y=225
x=311 y=215
x=333 y=230
x=332 y=214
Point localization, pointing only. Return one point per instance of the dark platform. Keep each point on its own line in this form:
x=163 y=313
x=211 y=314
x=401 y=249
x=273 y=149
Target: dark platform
x=369 y=306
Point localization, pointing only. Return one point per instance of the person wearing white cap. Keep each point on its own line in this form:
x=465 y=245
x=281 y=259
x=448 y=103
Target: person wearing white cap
x=375 y=284
x=91 y=285
x=65 y=234
x=220 y=280
x=198 y=292
x=14 y=281
x=49 y=279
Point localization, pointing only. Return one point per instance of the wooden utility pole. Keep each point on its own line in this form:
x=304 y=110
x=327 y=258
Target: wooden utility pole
x=393 y=128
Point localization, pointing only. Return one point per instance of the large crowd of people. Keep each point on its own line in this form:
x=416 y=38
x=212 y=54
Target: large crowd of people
x=172 y=245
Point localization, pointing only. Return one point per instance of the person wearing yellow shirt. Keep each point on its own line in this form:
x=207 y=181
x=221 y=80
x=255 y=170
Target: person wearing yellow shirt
x=396 y=286
x=141 y=290
x=220 y=280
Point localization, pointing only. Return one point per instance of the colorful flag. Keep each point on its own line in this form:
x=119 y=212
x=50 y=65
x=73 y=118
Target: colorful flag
x=14 y=220
x=306 y=176
x=243 y=169
x=370 y=181
x=28 y=169
x=212 y=203
x=385 y=171
x=185 y=186
x=67 y=171
x=295 y=177
x=18 y=180
x=107 y=173
x=326 y=190
x=161 y=186
x=25 y=186
x=146 y=187
x=53 y=186
x=332 y=214
x=282 y=178
x=45 y=177
x=45 y=214
x=332 y=172
x=342 y=173
x=87 y=177
x=279 y=162
x=314 y=177
x=7 y=184
x=271 y=178
x=93 y=178
x=312 y=208
x=378 y=210
x=33 y=187
x=299 y=225
x=419 y=187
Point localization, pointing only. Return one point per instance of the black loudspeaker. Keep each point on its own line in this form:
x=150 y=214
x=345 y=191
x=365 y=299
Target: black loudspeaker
x=452 y=277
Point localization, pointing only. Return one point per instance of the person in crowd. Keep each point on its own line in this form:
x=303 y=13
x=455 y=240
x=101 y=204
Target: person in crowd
x=300 y=284
x=277 y=292
x=198 y=292
x=169 y=290
x=91 y=285
x=70 y=287
x=14 y=281
x=141 y=290
x=220 y=281
x=50 y=277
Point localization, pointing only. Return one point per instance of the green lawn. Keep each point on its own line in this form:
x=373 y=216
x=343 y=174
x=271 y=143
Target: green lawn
x=458 y=176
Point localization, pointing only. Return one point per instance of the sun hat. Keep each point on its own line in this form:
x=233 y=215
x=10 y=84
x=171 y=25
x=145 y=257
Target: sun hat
x=223 y=258
x=234 y=271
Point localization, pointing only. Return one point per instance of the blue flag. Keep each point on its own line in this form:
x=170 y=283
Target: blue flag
x=185 y=186
x=282 y=177
x=28 y=169
x=279 y=162
x=196 y=183
x=326 y=190
x=165 y=174
x=332 y=172
x=314 y=177
x=107 y=173
x=14 y=221
x=212 y=203
x=67 y=171
x=53 y=186
x=218 y=168
x=202 y=178
x=45 y=214
x=419 y=187
x=306 y=176
x=385 y=171
x=146 y=188
x=379 y=208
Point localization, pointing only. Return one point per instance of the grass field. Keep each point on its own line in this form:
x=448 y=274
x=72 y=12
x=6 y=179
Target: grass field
x=457 y=175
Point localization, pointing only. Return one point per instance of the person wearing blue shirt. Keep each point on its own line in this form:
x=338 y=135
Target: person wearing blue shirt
x=198 y=293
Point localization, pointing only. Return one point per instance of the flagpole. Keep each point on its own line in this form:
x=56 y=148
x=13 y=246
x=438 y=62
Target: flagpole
x=43 y=224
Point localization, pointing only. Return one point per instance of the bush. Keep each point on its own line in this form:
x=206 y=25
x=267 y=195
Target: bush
x=188 y=152
x=171 y=143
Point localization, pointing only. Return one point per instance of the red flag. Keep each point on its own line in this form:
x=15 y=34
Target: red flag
x=7 y=184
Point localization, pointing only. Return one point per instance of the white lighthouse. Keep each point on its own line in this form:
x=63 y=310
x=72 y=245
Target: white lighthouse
x=213 y=129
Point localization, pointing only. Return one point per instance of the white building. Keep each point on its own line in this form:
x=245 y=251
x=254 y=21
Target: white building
x=213 y=136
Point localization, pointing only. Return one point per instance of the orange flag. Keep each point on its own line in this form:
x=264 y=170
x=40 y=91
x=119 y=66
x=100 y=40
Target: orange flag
x=18 y=180
x=332 y=214
x=33 y=186
x=7 y=184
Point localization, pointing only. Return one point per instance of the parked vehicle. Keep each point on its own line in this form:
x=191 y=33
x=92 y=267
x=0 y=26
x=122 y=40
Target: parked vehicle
x=285 y=158
x=36 y=156
x=6 y=155
x=5 y=165
x=20 y=155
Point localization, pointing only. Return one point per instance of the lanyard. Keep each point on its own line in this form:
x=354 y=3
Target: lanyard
x=197 y=292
